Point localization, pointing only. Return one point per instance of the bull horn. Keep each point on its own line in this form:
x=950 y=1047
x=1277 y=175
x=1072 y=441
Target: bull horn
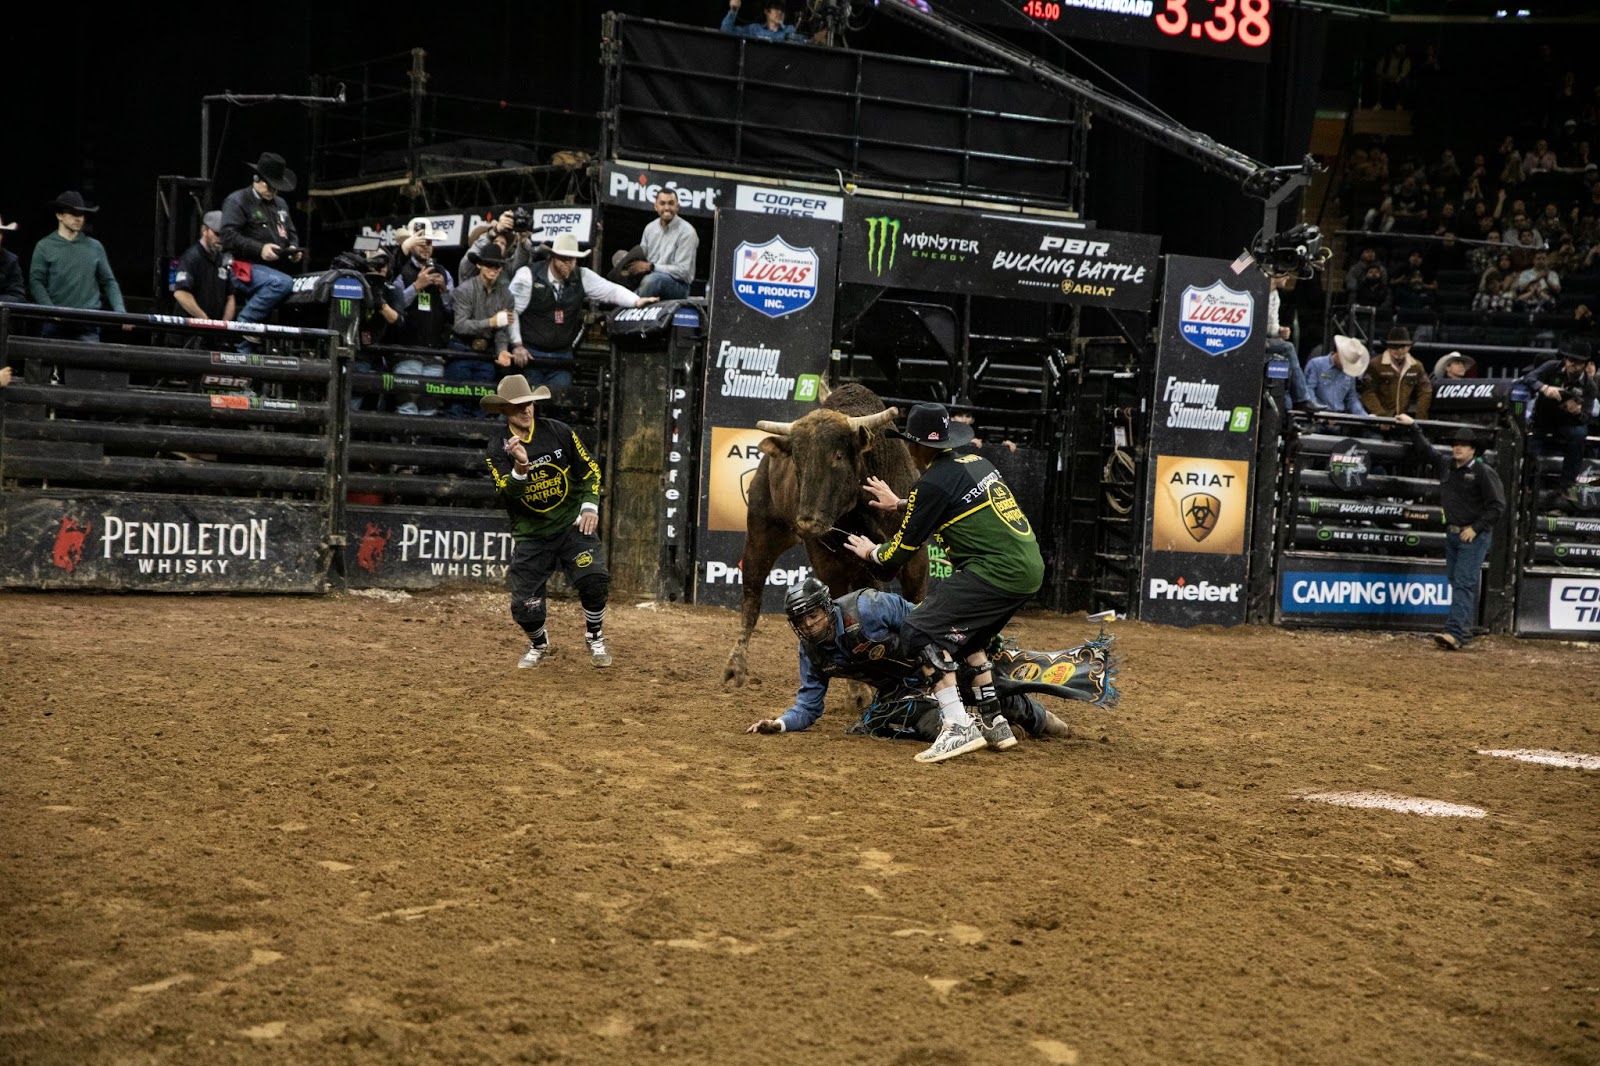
x=873 y=421
x=822 y=390
x=777 y=429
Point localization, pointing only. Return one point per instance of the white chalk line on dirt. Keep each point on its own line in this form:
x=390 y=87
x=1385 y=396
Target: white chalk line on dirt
x=1388 y=801
x=1546 y=758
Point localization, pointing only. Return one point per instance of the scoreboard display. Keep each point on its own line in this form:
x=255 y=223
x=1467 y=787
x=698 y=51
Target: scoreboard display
x=1227 y=29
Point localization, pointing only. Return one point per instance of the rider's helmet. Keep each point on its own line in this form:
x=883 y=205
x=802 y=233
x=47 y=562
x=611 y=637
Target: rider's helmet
x=804 y=598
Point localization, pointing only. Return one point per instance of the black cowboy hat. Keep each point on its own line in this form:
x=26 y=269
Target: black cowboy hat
x=1469 y=437
x=72 y=202
x=489 y=255
x=275 y=172
x=1399 y=337
x=1575 y=350
x=929 y=425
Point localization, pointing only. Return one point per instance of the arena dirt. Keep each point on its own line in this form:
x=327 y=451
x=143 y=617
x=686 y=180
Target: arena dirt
x=345 y=830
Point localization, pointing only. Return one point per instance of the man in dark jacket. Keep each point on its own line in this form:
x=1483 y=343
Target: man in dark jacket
x=257 y=230
x=550 y=487
x=1473 y=500
x=1563 y=401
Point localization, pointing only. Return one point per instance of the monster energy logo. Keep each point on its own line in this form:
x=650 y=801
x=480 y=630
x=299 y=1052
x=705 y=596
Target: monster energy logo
x=882 y=232
x=344 y=307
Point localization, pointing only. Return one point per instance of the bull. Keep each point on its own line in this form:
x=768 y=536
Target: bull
x=807 y=488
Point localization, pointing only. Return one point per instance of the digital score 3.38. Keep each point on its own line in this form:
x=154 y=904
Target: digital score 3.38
x=1228 y=29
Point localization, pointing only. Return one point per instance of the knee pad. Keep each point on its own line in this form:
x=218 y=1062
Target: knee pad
x=938 y=658
x=592 y=589
x=528 y=613
x=969 y=671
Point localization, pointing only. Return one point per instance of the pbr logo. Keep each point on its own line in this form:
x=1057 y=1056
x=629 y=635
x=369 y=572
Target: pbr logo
x=775 y=278
x=1216 y=319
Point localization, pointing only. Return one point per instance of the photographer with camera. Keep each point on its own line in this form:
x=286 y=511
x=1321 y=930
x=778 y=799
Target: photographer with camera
x=1564 y=398
x=257 y=230
x=514 y=230
x=383 y=308
x=429 y=313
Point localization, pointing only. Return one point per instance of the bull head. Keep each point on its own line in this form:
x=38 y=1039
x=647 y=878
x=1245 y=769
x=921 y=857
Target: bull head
x=825 y=449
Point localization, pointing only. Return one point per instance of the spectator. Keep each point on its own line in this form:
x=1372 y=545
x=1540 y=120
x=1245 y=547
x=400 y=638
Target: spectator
x=1395 y=382
x=1496 y=286
x=1539 y=160
x=670 y=244
x=1564 y=256
x=257 y=229
x=1538 y=287
x=1358 y=270
x=1394 y=77
x=1453 y=367
x=12 y=289
x=1333 y=378
x=1526 y=249
x=1473 y=500
x=70 y=269
x=426 y=289
x=771 y=28
x=481 y=333
x=1445 y=175
x=1373 y=290
x=203 y=284
x=513 y=231
x=1564 y=397
x=1279 y=347
x=1550 y=224
x=549 y=305
x=1511 y=177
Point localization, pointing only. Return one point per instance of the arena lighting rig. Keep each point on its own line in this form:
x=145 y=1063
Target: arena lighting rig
x=1297 y=251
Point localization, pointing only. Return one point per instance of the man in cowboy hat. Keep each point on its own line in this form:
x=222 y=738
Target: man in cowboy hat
x=70 y=269
x=549 y=295
x=1395 y=382
x=12 y=287
x=550 y=487
x=670 y=245
x=1453 y=366
x=1333 y=377
x=257 y=229
x=1563 y=403
x=997 y=569
x=1473 y=500
x=429 y=313
x=481 y=334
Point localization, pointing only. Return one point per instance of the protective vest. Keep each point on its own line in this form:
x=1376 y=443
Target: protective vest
x=539 y=326
x=880 y=663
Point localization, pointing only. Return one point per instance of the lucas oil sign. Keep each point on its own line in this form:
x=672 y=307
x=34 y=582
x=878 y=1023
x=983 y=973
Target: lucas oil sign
x=774 y=277
x=1215 y=319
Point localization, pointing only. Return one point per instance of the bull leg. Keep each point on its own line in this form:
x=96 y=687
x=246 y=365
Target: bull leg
x=761 y=549
x=914 y=577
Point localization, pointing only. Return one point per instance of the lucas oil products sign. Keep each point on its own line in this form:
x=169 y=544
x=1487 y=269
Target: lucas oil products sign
x=1202 y=443
x=772 y=287
x=162 y=543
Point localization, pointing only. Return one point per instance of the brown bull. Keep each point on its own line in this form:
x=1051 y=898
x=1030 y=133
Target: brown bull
x=808 y=488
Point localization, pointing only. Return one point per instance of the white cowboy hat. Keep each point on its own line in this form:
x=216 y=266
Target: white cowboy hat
x=566 y=245
x=1351 y=355
x=512 y=392
x=1444 y=361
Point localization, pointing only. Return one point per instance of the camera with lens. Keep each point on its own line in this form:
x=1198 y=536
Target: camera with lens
x=521 y=220
x=1567 y=394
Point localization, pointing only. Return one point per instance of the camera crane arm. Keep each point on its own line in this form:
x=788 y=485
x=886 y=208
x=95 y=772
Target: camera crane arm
x=1273 y=185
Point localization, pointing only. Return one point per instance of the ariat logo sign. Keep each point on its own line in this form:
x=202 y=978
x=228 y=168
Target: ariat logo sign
x=1200 y=505
x=1216 y=319
x=1197 y=591
x=883 y=234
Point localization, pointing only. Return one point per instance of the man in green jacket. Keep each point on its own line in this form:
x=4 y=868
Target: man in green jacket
x=549 y=485
x=997 y=569
x=70 y=269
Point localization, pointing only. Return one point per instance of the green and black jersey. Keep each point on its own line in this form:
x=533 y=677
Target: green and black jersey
x=562 y=479
x=963 y=500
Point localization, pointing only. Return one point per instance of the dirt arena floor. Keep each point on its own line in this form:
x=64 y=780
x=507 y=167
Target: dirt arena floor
x=346 y=830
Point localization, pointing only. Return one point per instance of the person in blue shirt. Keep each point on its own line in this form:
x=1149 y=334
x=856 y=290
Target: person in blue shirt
x=771 y=29
x=1335 y=379
x=857 y=637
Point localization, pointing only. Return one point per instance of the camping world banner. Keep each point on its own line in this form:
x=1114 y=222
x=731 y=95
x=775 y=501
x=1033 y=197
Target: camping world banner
x=772 y=286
